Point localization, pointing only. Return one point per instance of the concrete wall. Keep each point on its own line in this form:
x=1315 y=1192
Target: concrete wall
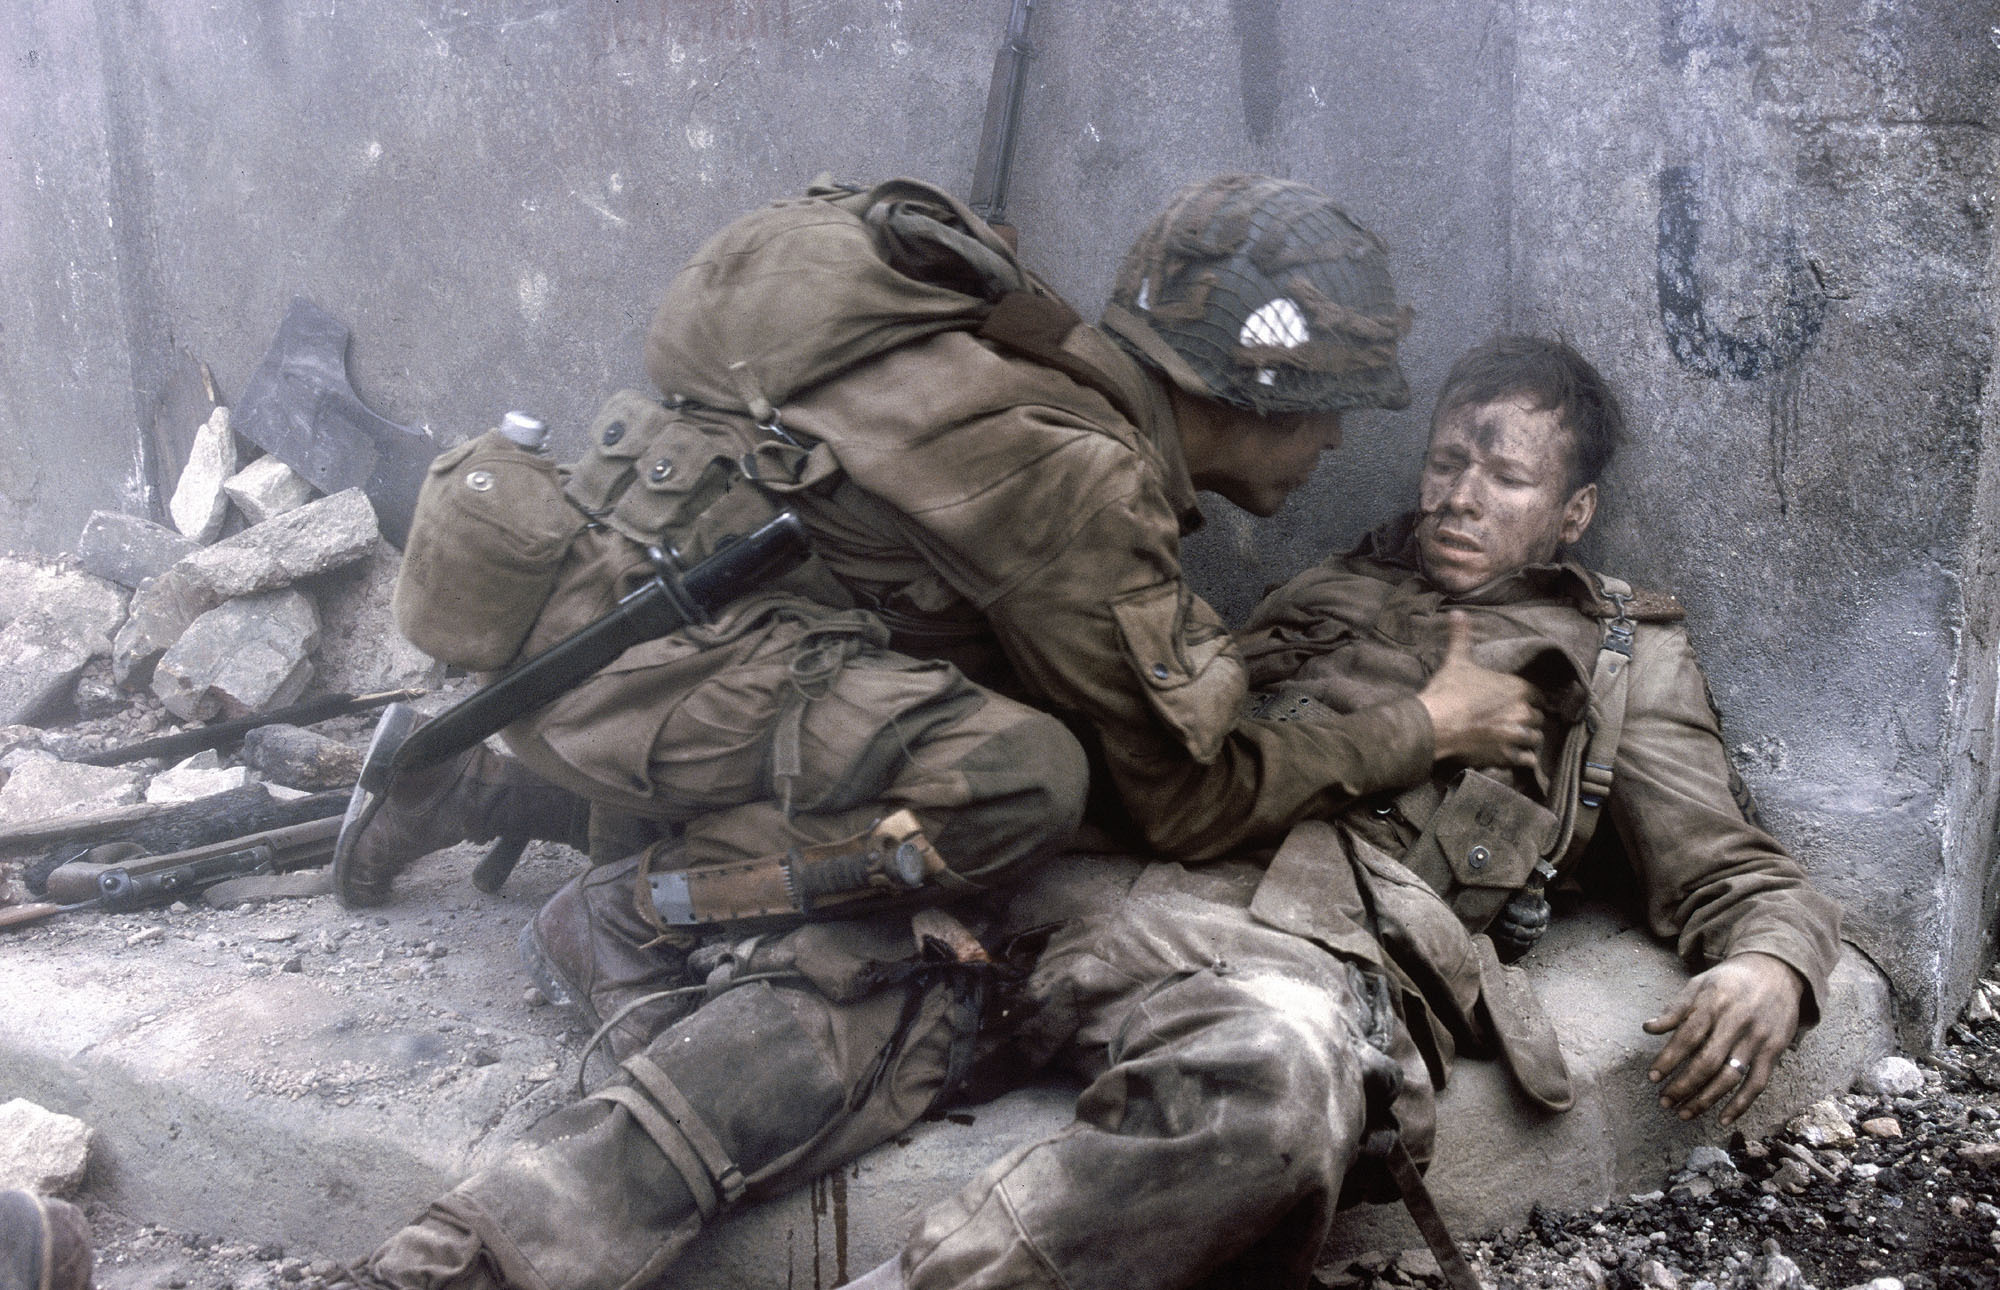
x=1772 y=223
x=1769 y=221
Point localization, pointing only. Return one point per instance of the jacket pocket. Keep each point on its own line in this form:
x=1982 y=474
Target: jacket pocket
x=1190 y=672
x=622 y=432
x=1481 y=845
x=1491 y=835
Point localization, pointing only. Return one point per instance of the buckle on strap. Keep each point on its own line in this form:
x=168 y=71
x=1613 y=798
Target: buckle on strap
x=680 y=1132
x=1618 y=631
x=1595 y=782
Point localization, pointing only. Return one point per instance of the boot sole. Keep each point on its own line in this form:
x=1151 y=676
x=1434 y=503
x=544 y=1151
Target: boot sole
x=370 y=791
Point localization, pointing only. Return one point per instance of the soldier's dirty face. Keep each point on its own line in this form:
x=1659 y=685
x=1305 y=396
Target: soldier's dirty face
x=1253 y=460
x=1495 y=494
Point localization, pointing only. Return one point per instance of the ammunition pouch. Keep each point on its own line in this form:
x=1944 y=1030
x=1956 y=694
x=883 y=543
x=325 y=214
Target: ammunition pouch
x=670 y=476
x=1482 y=843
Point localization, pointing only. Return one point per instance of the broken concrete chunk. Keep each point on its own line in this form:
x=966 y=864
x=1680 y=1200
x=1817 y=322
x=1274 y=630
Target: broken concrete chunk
x=60 y=591
x=199 y=503
x=1981 y=1155
x=42 y=788
x=247 y=656
x=328 y=534
x=67 y=622
x=44 y=657
x=95 y=694
x=128 y=550
x=360 y=650
x=267 y=488
x=192 y=783
x=161 y=611
x=41 y=1150
x=20 y=752
x=301 y=758
x=1823 y=1124
x=319 y=536
x=56 y=620
x=25 y=740
x=1892 y=1076
x=1708 y=1159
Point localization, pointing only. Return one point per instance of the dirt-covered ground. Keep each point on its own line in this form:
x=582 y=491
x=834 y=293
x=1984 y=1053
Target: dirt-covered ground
x=1882 y=1190
x=1913 y=1199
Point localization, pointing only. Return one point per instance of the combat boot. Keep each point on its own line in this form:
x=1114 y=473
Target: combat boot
x=397 y=818
x=590 y=948
x=44 y=1244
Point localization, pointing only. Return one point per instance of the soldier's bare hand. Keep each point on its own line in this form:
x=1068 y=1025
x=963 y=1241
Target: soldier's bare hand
x=1479 y=716
x=1730 y=1024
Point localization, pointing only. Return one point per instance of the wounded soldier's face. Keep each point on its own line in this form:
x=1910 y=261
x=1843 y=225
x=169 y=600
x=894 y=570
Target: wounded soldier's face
x=1495 y=494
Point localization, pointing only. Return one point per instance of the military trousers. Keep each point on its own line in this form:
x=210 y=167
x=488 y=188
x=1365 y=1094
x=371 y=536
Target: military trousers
x=763 y=1088
x=790 y=724
x=1224 y=1107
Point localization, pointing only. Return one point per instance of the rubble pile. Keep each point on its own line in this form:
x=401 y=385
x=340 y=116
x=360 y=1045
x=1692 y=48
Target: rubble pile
x=260 y=595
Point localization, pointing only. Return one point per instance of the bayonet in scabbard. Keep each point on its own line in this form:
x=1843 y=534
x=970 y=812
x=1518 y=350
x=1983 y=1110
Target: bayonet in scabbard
x=660 y=605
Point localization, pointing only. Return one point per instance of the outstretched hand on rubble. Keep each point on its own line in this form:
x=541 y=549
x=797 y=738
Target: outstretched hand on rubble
x=1730 y=1023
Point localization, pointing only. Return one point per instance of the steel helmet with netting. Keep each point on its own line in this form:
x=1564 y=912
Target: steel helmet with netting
x=1263 y=294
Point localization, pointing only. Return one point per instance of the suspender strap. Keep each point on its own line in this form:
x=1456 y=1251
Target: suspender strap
x=728 y=1178
x=1382 y=1136
x=1610 y=687
x=671 y=1144
x=1458 y=1274
x=673 y=1124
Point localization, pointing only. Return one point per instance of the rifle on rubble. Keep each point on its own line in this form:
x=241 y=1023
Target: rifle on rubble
x=1000 y=129
x=223 y=734
x=161 y=827
x=119 y=878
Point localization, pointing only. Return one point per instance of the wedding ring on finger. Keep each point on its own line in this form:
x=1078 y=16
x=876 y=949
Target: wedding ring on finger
x=1736 y=1063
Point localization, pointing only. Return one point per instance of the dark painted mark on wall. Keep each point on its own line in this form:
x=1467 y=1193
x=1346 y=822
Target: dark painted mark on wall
x=839 y=1187
x=1260 y=55
x=1697 y=343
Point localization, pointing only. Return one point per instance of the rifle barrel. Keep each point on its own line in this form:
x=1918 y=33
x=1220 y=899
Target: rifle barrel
x=1000 y=128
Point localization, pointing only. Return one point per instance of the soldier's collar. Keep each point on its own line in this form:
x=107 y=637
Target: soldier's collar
x=1163 y=431
x=1393 y=547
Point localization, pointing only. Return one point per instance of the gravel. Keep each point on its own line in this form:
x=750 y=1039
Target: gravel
x=1909 y=1199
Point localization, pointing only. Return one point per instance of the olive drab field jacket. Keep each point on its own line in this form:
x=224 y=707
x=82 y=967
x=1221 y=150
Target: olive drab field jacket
x=1358 y=630
x=992 y=479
